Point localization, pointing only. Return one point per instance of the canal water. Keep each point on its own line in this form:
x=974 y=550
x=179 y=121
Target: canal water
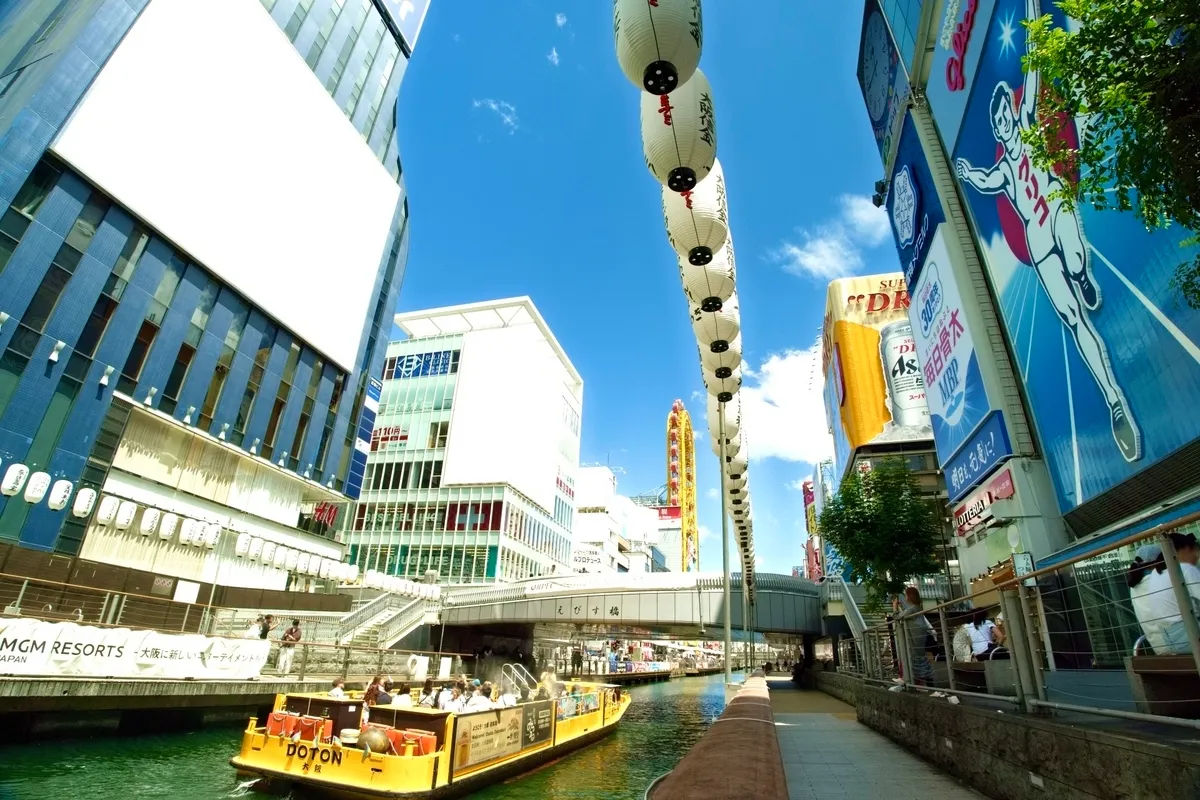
x=666 y=719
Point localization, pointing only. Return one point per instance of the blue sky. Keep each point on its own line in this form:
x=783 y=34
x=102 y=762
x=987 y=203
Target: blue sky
x=522 y=153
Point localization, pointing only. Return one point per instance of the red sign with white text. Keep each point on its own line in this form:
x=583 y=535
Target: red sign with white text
x=974 y=510
x=670 y=512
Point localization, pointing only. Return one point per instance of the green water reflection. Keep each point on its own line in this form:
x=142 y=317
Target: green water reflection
x=664 y=721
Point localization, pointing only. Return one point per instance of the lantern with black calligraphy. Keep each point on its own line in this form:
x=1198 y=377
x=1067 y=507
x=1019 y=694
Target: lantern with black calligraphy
x=716 y=329
x=722 y=363
x=697 y=221
x=710 y=285
x=679 y=134
x=658 y=42
x=723 y=388
x=733 y=419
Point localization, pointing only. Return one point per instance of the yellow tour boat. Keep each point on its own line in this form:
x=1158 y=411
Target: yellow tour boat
x=323 y=744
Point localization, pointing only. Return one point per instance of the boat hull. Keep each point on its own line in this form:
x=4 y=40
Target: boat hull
x=274 y=781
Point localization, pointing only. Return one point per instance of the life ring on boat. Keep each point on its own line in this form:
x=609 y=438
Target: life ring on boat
x=412 y=665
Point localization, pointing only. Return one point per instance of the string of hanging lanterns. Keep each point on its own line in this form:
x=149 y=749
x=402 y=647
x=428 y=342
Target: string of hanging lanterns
x=658 y=45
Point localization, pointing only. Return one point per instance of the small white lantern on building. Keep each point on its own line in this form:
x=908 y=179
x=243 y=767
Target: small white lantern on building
x=256 y=546
x=293 y=560
x=302 y=563
x=187 y=531
x=150 y=519
x=14 y=478
x=280 y=558
x=242 y=547
x=85 y=501
x=125 y=514
x=35 y=490
x=679 y=134
x=60 y=494
x=166 y=528
x=658 y=43
x=107 y=513
x=212 y=535
x=268 y=553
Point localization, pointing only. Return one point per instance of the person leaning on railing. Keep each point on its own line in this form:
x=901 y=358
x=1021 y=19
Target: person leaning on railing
x=1153 y=597
x=921 y=638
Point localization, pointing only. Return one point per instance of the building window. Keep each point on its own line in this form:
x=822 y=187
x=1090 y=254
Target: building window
x=12 y=228
x=265 y=345
x=343 y=58
x=306 y=410
x=318 y=45
x=207 y=299
x=131 y=372
x=285 y=388
x=375 y=40
x=297 y=20
x=335 y=400
x=36 y=189
x=88 y=221
x=183 y=361
x=215 y=385
x=438 y=433
x=110 y=295
x=390 y=51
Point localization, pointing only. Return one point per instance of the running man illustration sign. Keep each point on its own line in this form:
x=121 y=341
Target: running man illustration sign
x=1108 y=356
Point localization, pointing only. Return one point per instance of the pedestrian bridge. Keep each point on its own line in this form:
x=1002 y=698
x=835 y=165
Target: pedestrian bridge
x=662 y=601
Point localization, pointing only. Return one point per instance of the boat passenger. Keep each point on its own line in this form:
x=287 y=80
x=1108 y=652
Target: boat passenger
x=338 y=689
x=508 y=698
x=403 y=697
x=477 y=701
x=384 y=695
x=456 y=703
x=444 y=696
x=428 y=695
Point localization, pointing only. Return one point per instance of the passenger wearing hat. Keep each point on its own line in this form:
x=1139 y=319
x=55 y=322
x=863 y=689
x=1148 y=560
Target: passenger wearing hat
x=1153 y=597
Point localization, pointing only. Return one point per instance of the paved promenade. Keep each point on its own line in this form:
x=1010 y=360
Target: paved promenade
x=828 y=755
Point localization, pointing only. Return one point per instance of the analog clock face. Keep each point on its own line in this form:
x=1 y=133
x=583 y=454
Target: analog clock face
x=876 y=67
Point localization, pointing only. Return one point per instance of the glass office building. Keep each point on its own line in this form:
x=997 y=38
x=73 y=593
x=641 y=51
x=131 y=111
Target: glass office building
x=447 y=487
x=198 y=238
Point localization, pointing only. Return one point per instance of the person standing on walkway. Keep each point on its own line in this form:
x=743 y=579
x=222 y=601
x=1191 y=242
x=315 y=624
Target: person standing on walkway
x=919 y=633
x=287 y=647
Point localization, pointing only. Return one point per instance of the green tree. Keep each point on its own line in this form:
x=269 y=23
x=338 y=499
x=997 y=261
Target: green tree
x=883 y=527
x=1132 y=70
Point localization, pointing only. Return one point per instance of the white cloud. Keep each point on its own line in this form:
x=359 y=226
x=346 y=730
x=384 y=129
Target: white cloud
x=705 y=533
x=784 y=411
x=712 y=494
x=506 y=111
x=552 y=56
x=835 y=248
x=759 y=562
x=560 y=19
x=698 y=435
x=798 y=484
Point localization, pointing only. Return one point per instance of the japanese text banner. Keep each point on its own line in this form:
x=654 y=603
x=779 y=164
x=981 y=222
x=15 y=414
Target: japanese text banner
x=35 y=647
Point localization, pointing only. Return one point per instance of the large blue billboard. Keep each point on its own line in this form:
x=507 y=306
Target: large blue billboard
x=881 y=78
x=1105 y=347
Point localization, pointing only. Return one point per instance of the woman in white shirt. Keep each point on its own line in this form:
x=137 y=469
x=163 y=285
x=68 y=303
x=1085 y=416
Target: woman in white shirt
x=1156 y=607
x=403 y=698
x=983 y=634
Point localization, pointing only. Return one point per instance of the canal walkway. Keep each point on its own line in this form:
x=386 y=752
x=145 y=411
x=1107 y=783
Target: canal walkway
x=828 y=754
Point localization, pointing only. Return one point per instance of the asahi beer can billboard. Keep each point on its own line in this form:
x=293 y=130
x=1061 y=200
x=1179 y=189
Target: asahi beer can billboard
x=875 y=390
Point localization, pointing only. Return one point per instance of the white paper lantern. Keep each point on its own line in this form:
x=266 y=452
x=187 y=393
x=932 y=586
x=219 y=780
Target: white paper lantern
x=323 y=568
x=733 y=422
x=353 y=573
x=302 y=563
x=280 y=558
x=125 y=514
x=85 y=500
x=737 y=481
x=60 y=494
x=212 y=535
x=742 y=512
x=268 y=553
x=735 y=466
x=658 y=43
x=724 y=362
x=189 y=529
x=716 y=329
x=256 y=546
x=371 y=579
x=679 y=134
x=14 y=479
x=437 y=592
x=150 y=519
x=204 y=531
x=723 y=388
x=167 y=525
x=242 y=547
x=293 y=560
x=314 y=566
x=35 y=490
x=710 y=285
x=698 y=221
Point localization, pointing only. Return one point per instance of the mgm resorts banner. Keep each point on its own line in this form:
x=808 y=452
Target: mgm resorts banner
x=488 y=736
x=34 y=647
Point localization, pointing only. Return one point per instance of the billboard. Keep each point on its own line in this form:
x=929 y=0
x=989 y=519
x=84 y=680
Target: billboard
x=874 y=385
x=812 y=559
x=669 y=512
x=810 y=508
x=1106 y=351
x=881 y=78
x=956 y=53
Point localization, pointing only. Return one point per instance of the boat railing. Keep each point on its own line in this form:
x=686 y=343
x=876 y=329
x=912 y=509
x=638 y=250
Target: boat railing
x=519 y=677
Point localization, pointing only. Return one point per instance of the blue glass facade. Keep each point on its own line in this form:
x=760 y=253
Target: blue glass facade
x=93 y=301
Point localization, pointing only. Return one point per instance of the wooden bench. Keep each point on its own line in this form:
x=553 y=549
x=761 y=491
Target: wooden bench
x=1165 y=685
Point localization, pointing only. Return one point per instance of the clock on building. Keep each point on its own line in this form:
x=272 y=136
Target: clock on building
x=876 y=69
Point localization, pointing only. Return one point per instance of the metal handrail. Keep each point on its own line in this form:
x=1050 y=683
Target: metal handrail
x=519 y=676
x=404 y=622
x=365 y=613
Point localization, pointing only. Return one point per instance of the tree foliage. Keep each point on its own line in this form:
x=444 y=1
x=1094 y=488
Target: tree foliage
x=1131 y=70
x=884 y=529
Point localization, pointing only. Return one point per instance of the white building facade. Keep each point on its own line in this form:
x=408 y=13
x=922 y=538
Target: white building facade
x=472 y=465
x=613 y=530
